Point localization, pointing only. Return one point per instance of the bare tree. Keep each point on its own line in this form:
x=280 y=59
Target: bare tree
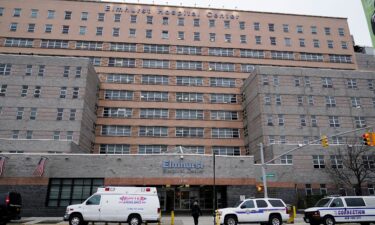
x=352 y=165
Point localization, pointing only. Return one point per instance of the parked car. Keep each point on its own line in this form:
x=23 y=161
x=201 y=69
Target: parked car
x=133 y=205
x=342 y=209
x=272 y=211
x=10 y=207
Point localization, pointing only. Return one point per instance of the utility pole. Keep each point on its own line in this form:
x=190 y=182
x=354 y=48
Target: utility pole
x=264 y=177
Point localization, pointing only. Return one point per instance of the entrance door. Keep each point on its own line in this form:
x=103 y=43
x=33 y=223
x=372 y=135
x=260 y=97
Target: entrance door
x=169 y=200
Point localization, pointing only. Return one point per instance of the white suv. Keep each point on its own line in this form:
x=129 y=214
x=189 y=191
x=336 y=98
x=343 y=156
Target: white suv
x=272 y=211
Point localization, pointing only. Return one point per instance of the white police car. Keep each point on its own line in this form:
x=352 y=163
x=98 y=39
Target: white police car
x=342 y=209
x=272 y=211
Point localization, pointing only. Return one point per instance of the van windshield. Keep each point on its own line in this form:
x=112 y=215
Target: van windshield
x=323 y=202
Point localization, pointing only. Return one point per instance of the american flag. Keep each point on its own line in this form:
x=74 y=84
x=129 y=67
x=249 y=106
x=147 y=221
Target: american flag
x=2 y=164
x=39 y=170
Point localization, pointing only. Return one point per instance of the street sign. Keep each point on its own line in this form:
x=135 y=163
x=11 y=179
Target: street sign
x=269 y=175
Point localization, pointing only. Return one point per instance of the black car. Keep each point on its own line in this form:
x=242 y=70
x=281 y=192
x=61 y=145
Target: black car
x=10 y=207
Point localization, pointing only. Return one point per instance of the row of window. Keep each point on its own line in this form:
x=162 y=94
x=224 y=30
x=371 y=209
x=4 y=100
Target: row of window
x=37 y=91
x=341 y=191
x=310 y=100
x=33 y=113
x=314 y=140
x=368 y=161
x=333 y=121
x=158 y=149
x=158 y=113
x=227 y=24
x=155 y=96
x=57 y=135
x=326 y=82
x=157 y=131
x=41 y=70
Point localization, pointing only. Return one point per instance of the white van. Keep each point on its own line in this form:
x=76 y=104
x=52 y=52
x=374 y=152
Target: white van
x=342 y=209
x=133 y=205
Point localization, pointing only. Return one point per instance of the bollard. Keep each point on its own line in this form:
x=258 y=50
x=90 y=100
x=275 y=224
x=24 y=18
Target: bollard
x=217 y=218
x=292 y=214
x=172 y=217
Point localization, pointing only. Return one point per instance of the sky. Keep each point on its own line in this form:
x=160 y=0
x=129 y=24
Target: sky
x=351 y=9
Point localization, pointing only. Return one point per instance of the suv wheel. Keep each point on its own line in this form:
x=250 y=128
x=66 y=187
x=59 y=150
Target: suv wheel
x=275 y=220
x=328 y=220
x=230 y=220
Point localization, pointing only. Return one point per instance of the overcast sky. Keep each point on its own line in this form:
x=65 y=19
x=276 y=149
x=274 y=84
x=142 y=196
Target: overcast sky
x=351 y=9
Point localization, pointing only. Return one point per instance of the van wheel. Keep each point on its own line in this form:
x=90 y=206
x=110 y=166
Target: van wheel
x=230 y=220
x=76 y=219
x=275 y=220
x=135 y=220
x=328 y=220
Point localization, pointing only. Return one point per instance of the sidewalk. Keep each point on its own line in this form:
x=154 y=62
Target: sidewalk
x=166 y=220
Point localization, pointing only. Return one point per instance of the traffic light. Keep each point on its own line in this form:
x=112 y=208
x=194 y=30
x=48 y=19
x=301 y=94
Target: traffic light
x=259 y=188
x=324 y=141
x=366 y=139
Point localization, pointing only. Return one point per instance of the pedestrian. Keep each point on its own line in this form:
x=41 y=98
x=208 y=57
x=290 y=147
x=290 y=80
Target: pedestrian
x=196 y=212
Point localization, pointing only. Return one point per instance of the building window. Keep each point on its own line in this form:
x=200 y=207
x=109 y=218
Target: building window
x=19 y=115
x=243 y=39
x=314 y=30
x=133 y=18
x=117 y=112
x=225 y=67
x=48 y=28
x=5 y=69
x=267 y=100
x=114 y=149
x=51 y=14
x=360 y=121
x=272 y=40
x=1 y=11
x=120 y=78
x=302 y=120
x=323 y=189
x=15 y=134
x=286 y=159
x=228 y=38
x=165 y=20
x=115 y=32
x=181 y=35
x=288 y=42
x=226 y=150
x=318 y=161
x=29 y=134
x=151 y=113
x=327 y=31
x=340 y=58
x=75 y=92
x=149 y=19
x=148 y=33
x=226 y=24
x=156 y=64
x=17 y=12
x=299 y=29
x=314 y=121
x=3 y=89
x=68 y=15
x=341 y=32
x=344 y=45
x=300 y=100
x=152 y=149
x=280 y=119
x=330 y=44
x=197 y=36
x=308 y=189
x=189 y=97
x=24 y=90
x=123 y=47
x=225 y=133
x=330 y=101
x=269 y=120
x=221 y=51
x=72 y=115
x=99 y=31
x=258 y=40
x=153 y=131
x=242 y=25
x=368 y=161
x=336 y=161
x=37 y=91
x=13 y=27
x=224 y=115
x=282 y=55
x=121 y=62
x=196 y=22
x=223 y=98
x=155 y=79
x=100 y=17
x=327 y=82
x=31 y=27
x=164 y=34
x=352 y=83
x=211 y=23
x=118 y=95
x=65 y=29
x=132 y=32
x=60 y=113
x=189 y=81
x=370 y=84
x=187 y=114
x=285 y=28
x=256 y=26
x=41 y=70
x=271 y=27
x=84 y=16
x=154 y=96
x=116 y=130
x=56 y=135
x=66 y=191
x=316 y=43
x=212 y=37
x=334 y=121
x=302 y=42
x=63 y=92
x=222 y=82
